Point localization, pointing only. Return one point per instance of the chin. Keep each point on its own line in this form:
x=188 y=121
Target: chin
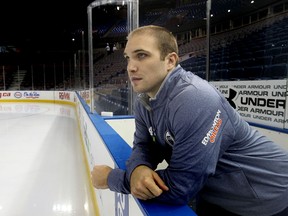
x=137 y=90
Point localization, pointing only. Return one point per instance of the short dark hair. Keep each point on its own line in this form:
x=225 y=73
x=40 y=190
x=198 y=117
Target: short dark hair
x=166 y=41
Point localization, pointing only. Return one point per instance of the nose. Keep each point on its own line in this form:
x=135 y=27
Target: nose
x=131 y=67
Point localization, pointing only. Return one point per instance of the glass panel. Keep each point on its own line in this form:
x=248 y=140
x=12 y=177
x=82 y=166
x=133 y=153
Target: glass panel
x=248 y=41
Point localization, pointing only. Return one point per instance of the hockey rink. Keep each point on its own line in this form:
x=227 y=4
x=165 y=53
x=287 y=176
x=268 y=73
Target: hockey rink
x=42 y=164
x=43 y=169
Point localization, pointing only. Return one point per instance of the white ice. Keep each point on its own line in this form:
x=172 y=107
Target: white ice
x=42 y=165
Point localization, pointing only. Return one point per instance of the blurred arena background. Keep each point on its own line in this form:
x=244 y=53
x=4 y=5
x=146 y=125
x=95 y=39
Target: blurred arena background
x=248 y=41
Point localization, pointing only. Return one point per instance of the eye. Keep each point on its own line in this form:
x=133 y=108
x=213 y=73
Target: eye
x=141 y=55
x=126 y=58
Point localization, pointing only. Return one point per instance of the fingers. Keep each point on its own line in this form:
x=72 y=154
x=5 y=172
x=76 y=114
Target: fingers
x=143 y=195
x=160 y=182
x=143 y=190
x=147 y=184
x=99 y=176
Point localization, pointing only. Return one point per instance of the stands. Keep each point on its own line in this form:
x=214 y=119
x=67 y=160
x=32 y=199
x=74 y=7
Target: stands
x=257 y=49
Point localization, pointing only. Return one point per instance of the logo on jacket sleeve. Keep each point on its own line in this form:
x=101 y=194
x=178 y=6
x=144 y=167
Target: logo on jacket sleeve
x=152 y=133
x=169 y=139
x=212 y=133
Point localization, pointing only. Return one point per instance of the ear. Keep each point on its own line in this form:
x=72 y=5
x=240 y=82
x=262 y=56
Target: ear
x=172 y=59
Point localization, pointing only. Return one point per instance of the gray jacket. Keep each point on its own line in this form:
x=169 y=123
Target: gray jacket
x=211 y=151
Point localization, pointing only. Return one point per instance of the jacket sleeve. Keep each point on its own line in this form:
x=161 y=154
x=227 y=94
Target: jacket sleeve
x=118 y=181
x=144 y=152
x=198 y=126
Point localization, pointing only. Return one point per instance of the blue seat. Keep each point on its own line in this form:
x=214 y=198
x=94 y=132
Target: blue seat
x=273 y=51
x=264 y=60
x=276 y=71
x=282 y=58
x=254 y=72
x=237 y=74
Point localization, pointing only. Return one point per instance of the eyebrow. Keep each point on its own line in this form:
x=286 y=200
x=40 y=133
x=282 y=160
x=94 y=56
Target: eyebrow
x=137 y=51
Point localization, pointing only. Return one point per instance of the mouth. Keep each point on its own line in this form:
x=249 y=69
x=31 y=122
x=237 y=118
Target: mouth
x=135 y=79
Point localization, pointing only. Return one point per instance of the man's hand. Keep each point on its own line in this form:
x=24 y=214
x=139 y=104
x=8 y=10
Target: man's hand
x=99 y=176
x=146 y=184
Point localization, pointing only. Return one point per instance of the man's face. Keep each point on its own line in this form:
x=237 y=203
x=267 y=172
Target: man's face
x=146 y=70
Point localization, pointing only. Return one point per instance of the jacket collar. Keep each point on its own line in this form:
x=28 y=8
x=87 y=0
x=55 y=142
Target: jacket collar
x=144 y=99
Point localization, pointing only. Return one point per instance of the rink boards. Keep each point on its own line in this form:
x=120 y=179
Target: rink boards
x=261 y=103
x=102 y=145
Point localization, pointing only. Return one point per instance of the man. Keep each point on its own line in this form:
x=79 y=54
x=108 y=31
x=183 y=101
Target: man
x=213 y=155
